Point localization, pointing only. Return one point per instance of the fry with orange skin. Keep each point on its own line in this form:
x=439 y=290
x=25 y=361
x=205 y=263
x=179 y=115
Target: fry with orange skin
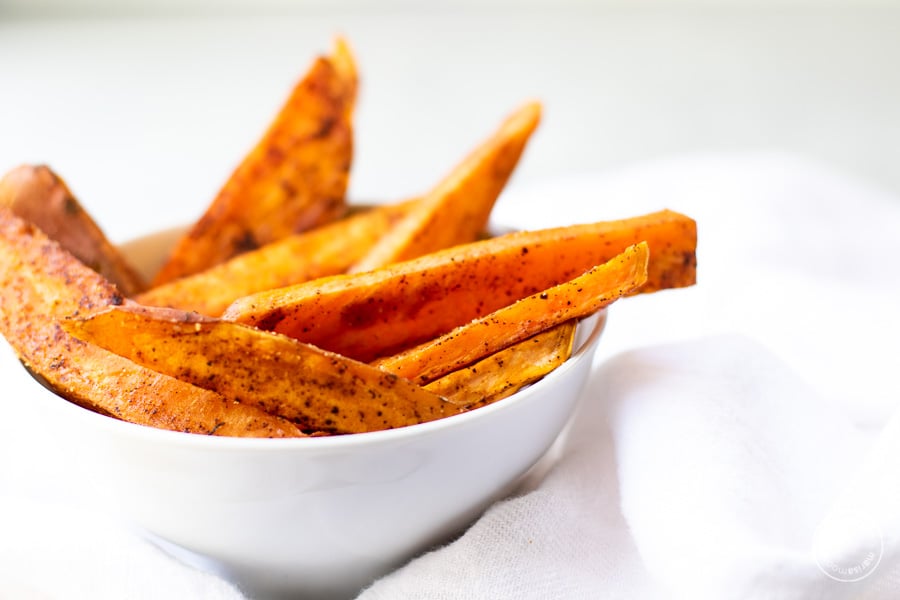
x=378 y=313
x=504 y=373
x=320 y=391
x=41 y=284
x=344 y=63
x=38 y=195
x=579 y=297
x=294 y=179
x=456 y=211
x=326 y=250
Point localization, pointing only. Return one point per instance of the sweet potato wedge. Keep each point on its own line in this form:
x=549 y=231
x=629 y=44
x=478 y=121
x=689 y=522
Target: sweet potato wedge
x=40 y=196
x=41 y=284
x=378 y=313
x=294 y=179
x=326 y=250
x=456 y=211
x=318 y=390
x=481 y=337
x=344 y=63
x=504 y=373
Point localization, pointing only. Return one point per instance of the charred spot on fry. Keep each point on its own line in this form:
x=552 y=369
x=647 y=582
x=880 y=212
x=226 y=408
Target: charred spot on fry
x=71 y=206
x=246 y=243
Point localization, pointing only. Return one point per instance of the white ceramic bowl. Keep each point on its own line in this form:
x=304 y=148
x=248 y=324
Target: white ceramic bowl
x=323 y=517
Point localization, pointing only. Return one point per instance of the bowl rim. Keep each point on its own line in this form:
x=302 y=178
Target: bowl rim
x=585 y=351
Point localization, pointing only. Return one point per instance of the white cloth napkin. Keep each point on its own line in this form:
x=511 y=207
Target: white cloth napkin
x=694 y=470
x=739 y=439
x=713 y=468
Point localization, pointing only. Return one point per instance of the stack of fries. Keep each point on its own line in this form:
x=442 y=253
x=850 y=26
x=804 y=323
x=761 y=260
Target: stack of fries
x=285 y=312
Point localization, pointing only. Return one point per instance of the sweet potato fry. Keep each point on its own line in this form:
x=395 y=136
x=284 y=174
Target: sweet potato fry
x=344 y=63
x=318 y=390
x=294 y=179
x=40 y=284
x=38 y=195
x=378 y=313
x=326 y=250
x=457 y=210
x=504 y=373
x=573 y=299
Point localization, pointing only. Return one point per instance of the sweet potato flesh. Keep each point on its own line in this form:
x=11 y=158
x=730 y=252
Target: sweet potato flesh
x=39 y=196
x=456 y=211
x=573 y=299
x=326 y=250
x=378 y=313
x=294 y=179
x=40 y=285
x=318 y=390
x=504 y=373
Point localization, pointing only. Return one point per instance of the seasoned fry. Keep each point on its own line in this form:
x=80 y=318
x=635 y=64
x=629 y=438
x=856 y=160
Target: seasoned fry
x=573 y=299
x=504 y=373
x=456 y=211
x=40 y=284
x=326 y=250
x=38 y=195
x=294 y=179
x=378 y=313
x=345 y=64
x=318 y=390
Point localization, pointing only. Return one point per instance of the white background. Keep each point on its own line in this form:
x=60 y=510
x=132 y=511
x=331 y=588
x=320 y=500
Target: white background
x=146 y=107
